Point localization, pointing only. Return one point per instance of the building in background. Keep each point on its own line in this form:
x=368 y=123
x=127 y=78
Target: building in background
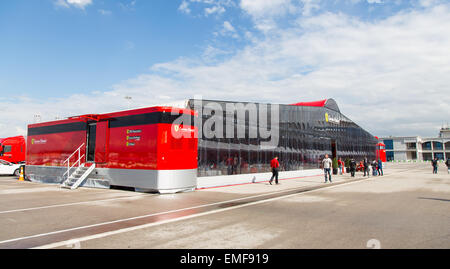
x=416 y=148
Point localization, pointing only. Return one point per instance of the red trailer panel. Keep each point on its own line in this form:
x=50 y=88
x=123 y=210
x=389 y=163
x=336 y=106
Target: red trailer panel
x=50 y=144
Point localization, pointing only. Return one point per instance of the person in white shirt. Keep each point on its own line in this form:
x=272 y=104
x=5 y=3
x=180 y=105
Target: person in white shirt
x=327 y=163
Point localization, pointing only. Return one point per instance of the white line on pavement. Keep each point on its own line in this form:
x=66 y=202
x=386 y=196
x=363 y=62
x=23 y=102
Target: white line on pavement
x=70 y=204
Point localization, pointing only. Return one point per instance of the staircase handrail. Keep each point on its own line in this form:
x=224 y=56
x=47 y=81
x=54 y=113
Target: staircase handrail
x=78 y=150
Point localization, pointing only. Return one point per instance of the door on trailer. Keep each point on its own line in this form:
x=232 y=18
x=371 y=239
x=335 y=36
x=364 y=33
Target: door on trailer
x=91 y=139
x=101 y=142
x=97 y=146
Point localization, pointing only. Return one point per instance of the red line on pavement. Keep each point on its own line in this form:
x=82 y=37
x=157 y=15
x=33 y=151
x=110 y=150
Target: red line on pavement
x=240 y=184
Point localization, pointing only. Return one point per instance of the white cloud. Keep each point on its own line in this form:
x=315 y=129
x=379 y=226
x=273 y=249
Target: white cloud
x=390 y=76
x=228 y=27
x=129 y=5
x=208 y=7
x=228 y=30
x=276 y=8
x=262 y=8
x=75 y=3
x=310 y=5
x=429 y=3
x=374 y=1
x=61 y=3
x=214 y=10
x=211 y=54
x=184 y=7
x=266 y=13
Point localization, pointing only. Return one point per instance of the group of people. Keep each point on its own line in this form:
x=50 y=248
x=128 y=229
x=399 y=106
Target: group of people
x=365 y=165
x=434 y=164
x=376 y=166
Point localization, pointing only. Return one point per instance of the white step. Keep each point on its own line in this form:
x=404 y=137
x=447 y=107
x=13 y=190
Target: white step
x=77 y=177
x=83 y=177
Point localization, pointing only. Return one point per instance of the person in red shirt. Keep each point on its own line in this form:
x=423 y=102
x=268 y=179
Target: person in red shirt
x=275 y=166
x=341 y=166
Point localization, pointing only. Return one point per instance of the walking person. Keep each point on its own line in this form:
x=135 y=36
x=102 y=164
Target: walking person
x=275 y=166
x=352 y=167
x=326 y=162
x=341 y=166
x=366 y=167
x=380 y=167
x=235 y=165
x=434 y=163
x=374 y=168
x=230 y=165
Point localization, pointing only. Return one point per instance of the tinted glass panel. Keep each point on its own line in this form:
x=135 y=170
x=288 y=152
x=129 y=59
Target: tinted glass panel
x=92 y=135
x=389 y=144
x=306 y=134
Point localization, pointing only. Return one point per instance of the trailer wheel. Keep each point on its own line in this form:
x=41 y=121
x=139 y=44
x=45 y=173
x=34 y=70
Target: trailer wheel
x=17 y=172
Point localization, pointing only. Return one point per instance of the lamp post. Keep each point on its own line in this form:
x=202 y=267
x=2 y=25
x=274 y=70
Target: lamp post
x=128 y=98
x=37 y=118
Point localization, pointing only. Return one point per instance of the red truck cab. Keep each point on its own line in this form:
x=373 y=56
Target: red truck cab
x=13 y=149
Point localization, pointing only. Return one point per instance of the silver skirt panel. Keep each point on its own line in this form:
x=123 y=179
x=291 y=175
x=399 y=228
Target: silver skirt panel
x=163 y=181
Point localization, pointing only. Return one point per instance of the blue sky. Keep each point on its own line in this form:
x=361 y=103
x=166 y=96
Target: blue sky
x=60 y=58
x=48 y=49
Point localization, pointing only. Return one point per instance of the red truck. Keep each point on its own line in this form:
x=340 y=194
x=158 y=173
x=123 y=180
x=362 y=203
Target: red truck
x=13 y=149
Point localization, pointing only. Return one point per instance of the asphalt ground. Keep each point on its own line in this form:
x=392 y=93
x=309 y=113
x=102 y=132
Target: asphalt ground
x=406 y=208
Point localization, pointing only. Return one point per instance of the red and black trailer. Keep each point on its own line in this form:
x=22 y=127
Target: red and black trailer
x=12 y=149
x=150 y=149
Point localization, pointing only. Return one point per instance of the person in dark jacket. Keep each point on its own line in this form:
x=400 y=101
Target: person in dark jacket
x=352 y=167
x=434 y=163
x=366 y=167
x=275 y=166
x=380 y=167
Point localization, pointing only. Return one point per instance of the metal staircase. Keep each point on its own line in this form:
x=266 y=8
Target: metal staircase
x=75 y=179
